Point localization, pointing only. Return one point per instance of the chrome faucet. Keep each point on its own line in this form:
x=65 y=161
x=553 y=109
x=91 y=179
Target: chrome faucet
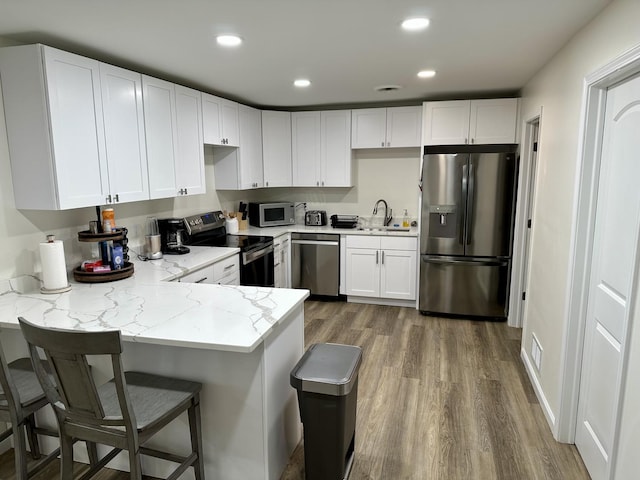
x=387 y=212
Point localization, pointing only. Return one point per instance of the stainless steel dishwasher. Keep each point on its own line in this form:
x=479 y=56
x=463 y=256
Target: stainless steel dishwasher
x=315 y=262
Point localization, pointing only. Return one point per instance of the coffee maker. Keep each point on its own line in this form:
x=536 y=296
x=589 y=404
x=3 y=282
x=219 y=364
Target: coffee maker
x=171 y=234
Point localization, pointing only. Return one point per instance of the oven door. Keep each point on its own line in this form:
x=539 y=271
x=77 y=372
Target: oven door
x=257 y=267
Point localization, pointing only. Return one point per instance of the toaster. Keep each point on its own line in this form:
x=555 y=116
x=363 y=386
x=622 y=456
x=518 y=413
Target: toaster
x=315 y=218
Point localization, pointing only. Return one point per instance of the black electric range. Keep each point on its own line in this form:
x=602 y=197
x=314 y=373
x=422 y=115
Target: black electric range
x=256 y=251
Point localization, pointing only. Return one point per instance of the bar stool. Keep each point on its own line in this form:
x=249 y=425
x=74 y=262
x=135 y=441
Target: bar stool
x=20 y=397
x=123 y=412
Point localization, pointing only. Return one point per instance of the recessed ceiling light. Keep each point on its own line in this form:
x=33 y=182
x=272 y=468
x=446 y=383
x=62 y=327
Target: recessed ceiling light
x=228 y=40
x=417 y=23
x=302 y=82
x=427 y=73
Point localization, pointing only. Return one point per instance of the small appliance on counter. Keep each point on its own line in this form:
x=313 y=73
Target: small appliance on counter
x=171 y=236
x=344 y=221
x=315 y=218
x=153 y=240
x=271 y=214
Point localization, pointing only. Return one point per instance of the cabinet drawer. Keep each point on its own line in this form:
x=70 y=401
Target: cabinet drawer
x=363 y=241
x=225 y=269
x=398 y=243
x=203 y=275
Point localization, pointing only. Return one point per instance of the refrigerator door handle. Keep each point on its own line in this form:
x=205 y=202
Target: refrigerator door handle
x=494 y=262
x=468 y=217
x=463 y=204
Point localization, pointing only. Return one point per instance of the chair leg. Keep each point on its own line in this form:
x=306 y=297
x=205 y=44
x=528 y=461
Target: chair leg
x=32 y=437
x=135 y=465
x=20 y=452
x=92 y=452
x=195 y=430
x=66 y=449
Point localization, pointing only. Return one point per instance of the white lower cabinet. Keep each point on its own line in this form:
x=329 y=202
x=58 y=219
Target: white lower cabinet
x=381 y=267
x=281 y=264
x=224 y=272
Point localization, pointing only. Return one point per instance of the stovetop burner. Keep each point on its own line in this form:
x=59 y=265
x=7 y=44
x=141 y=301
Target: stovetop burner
x=247 y=242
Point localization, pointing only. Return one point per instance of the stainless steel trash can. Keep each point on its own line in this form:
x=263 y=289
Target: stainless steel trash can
x=326 y=379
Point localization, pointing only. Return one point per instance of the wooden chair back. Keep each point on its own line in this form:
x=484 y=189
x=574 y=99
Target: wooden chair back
x=74 y=394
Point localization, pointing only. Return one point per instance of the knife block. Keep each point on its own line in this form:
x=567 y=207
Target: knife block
x=242 y=224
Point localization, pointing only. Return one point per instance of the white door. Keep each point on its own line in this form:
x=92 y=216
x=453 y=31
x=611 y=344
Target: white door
x=612 y=279
x=335 y=148
x=398 y=274
x=190 y=147
x=276 y=148
x=363 y=272
x=369 y=126
x=305 y=148
x=124 y=133
x=404 y=126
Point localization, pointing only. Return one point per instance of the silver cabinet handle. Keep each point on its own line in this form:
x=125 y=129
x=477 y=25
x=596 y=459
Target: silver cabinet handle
x=317 y=184
x=466 y=140
x=472 y=140
x=382 y=144
x=108 y=199
x=377 y=257
x=117 y=198
x=229 y=267
x=201 y=280
x=382 y=262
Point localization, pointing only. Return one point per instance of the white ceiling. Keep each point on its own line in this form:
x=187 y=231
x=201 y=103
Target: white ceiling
x=345 y=47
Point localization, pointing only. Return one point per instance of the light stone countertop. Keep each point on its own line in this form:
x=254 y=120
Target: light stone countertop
x=277 y=231
x=148 y=308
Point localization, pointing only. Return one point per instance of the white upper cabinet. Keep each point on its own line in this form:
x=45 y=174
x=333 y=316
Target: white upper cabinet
x=174 y=139
x=124 y=134
x=75 y=129
x=321 y=148
x=220 y=121
x=462 y=122
x=305 y=148
x=241 y=168
x=276 y=148
x=190 y=178
x=335 y=148
x=386 y=127
x=160 y=128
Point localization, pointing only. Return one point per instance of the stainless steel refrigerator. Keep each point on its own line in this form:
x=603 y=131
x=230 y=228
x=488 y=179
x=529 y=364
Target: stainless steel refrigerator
x=466 y=226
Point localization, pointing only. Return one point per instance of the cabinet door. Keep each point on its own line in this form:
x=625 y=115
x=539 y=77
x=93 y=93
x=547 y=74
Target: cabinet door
x=335 y=148
x=278 y=277
x=493 y=121
x=276 y=148
x=77 y=130
x=229 y=113
x=404 y=126
x=398 y=274
x=160 y=131
x=124 y=133
x=363 y=272
x=190 y=149
x=250 y=150
x=446 y=123
x=305 y=148
x=285 y=263
x=368 y=128
x=219 y=121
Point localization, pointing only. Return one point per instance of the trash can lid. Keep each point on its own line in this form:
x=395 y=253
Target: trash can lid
x=327 y=368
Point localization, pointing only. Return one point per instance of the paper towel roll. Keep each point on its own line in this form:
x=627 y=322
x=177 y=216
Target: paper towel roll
x=54 y=268
x=232 y=225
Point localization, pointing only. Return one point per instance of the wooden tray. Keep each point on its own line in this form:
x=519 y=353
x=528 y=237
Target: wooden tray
x=87 y=236
x=100 y=277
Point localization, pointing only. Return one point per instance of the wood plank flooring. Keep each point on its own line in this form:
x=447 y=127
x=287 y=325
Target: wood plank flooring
x=437 y=399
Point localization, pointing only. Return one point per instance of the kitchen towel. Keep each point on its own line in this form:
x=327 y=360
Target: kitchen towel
x=54 y=268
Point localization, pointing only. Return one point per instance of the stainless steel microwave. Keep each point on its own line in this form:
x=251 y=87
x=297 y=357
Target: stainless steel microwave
x=271 y=214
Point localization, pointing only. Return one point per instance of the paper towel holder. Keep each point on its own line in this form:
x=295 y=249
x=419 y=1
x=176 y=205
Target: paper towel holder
x=50 y=291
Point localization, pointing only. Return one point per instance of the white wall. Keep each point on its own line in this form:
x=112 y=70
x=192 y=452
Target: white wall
x=557 y=89
x=389 y=174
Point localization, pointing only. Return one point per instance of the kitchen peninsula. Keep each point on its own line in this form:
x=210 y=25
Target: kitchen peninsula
x=240 y=342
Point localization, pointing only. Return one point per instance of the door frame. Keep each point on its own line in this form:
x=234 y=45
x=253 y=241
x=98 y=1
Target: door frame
x=526 y=183
x=585 y=200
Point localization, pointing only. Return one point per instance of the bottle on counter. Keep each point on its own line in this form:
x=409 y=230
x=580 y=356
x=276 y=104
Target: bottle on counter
x=405 y=220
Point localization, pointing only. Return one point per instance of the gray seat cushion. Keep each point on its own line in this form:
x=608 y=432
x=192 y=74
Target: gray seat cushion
x=25 y=381
x=151 y=396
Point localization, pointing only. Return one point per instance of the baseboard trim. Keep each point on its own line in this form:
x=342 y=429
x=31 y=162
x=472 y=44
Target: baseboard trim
x=382 y=301
x=537 y=388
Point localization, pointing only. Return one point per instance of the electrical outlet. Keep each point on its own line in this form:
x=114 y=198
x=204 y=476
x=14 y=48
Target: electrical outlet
x=536 y=352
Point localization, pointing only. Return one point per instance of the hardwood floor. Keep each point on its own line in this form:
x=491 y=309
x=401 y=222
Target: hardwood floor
x=437 y=399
